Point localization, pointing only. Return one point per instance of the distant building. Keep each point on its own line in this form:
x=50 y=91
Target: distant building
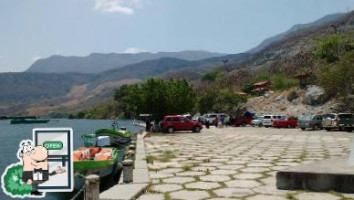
x=241 y=93
x=303 y=78
x=261 y=87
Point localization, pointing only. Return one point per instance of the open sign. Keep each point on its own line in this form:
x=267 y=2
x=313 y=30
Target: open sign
x=53 y=145
x=59 y=143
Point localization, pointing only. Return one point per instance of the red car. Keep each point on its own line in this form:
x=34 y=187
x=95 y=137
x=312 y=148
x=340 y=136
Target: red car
x=289 y=122
x=179 y=123
x=242 y=121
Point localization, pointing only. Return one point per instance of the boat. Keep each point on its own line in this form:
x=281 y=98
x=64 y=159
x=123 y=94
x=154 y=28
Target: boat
x=86 y=162
x=5 y=117
x=106 y=169
x=103 y=168
x=28 y=121
x=117 y=137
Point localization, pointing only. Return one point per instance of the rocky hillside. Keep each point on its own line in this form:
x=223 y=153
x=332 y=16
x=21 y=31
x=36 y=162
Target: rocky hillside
x=295 y=102
x=96 y=62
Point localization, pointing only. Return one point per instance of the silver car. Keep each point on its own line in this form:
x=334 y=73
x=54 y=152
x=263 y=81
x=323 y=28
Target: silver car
x=257 y=122
x=337 y=121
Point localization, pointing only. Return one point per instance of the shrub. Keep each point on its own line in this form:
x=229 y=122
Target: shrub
x=334 y=46
x=338 y=78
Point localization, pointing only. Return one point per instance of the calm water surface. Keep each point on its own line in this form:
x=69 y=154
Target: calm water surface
x=11 y=136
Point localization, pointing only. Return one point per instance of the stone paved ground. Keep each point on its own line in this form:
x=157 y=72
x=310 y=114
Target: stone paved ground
x=236 y=163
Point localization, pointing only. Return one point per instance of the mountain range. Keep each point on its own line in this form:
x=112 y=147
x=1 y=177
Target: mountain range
x=98 y=62
x=74 y=83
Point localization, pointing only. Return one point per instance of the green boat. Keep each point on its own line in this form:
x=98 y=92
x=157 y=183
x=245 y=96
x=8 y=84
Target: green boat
x=28 y=121
x=117 y=137
x=104 y=168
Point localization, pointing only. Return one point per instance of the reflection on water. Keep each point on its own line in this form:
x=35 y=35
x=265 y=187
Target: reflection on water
x=11 y=135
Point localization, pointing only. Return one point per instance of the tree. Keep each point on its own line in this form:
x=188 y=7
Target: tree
x=156 y=97
x=129 y=98
x=337 y=79
x=211 y=76
x=220 y=101
x=333 y=47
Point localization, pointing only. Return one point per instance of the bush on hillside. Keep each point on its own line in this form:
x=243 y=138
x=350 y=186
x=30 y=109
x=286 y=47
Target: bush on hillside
x=211 y=76
x=337 y=79
x=334 y=46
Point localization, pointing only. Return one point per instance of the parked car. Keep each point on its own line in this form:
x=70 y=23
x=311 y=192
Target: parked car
x=268 y=120
x=340 y=121
x=257 y=121
x=350 y=125
x=311 y=121
x=242 y=120
x=195 y=118
x=285 y=122
x=211 y=118
x=179 y=123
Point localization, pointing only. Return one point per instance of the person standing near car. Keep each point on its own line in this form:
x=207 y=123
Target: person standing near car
x=227 y=120
x=222 y=121
x=207 y=124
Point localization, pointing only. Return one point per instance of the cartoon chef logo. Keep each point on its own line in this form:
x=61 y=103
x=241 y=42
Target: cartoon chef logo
x=22 y=179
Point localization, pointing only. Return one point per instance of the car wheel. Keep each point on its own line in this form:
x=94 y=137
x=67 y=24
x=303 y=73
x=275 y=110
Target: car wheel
x=260 y=124
x=243 y=123
x=315 y=127
x=170 y=130
x=266 y=126
x=349 y=129
x=303 y=129
x=289 y=126
x=196 y=129
x=328 y=129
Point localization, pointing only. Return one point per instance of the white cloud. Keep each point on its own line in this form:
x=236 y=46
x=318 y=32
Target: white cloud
x=35 y=58
x=117 y=6
x=133 y=50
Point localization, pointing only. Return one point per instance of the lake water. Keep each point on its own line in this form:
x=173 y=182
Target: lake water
x=11 y=135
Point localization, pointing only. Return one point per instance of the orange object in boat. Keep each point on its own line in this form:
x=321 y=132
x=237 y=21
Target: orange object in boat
x=77 y=155
x=101 y=156
x=85 y=153
x=94 y=151
x=106 y=150
x=104 y=154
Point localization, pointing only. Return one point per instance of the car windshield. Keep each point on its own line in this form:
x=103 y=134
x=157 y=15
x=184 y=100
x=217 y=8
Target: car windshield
x=332 y=116
x=267 y=117
x=345 y=115
x=308 y=117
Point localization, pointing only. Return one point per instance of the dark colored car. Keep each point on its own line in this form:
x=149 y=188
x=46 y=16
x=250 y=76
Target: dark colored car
x=311 y=121
x=288 y=122
x=242 y=120
x=179 y=123
x=339 y=121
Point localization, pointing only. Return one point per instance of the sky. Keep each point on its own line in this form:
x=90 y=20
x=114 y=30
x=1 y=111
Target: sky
x=34 y=29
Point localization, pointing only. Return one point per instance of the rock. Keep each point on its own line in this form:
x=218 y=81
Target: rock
x=314 y=95
x=297 y=101
x=292 y=96
x=280 y=98
x=267 y=94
